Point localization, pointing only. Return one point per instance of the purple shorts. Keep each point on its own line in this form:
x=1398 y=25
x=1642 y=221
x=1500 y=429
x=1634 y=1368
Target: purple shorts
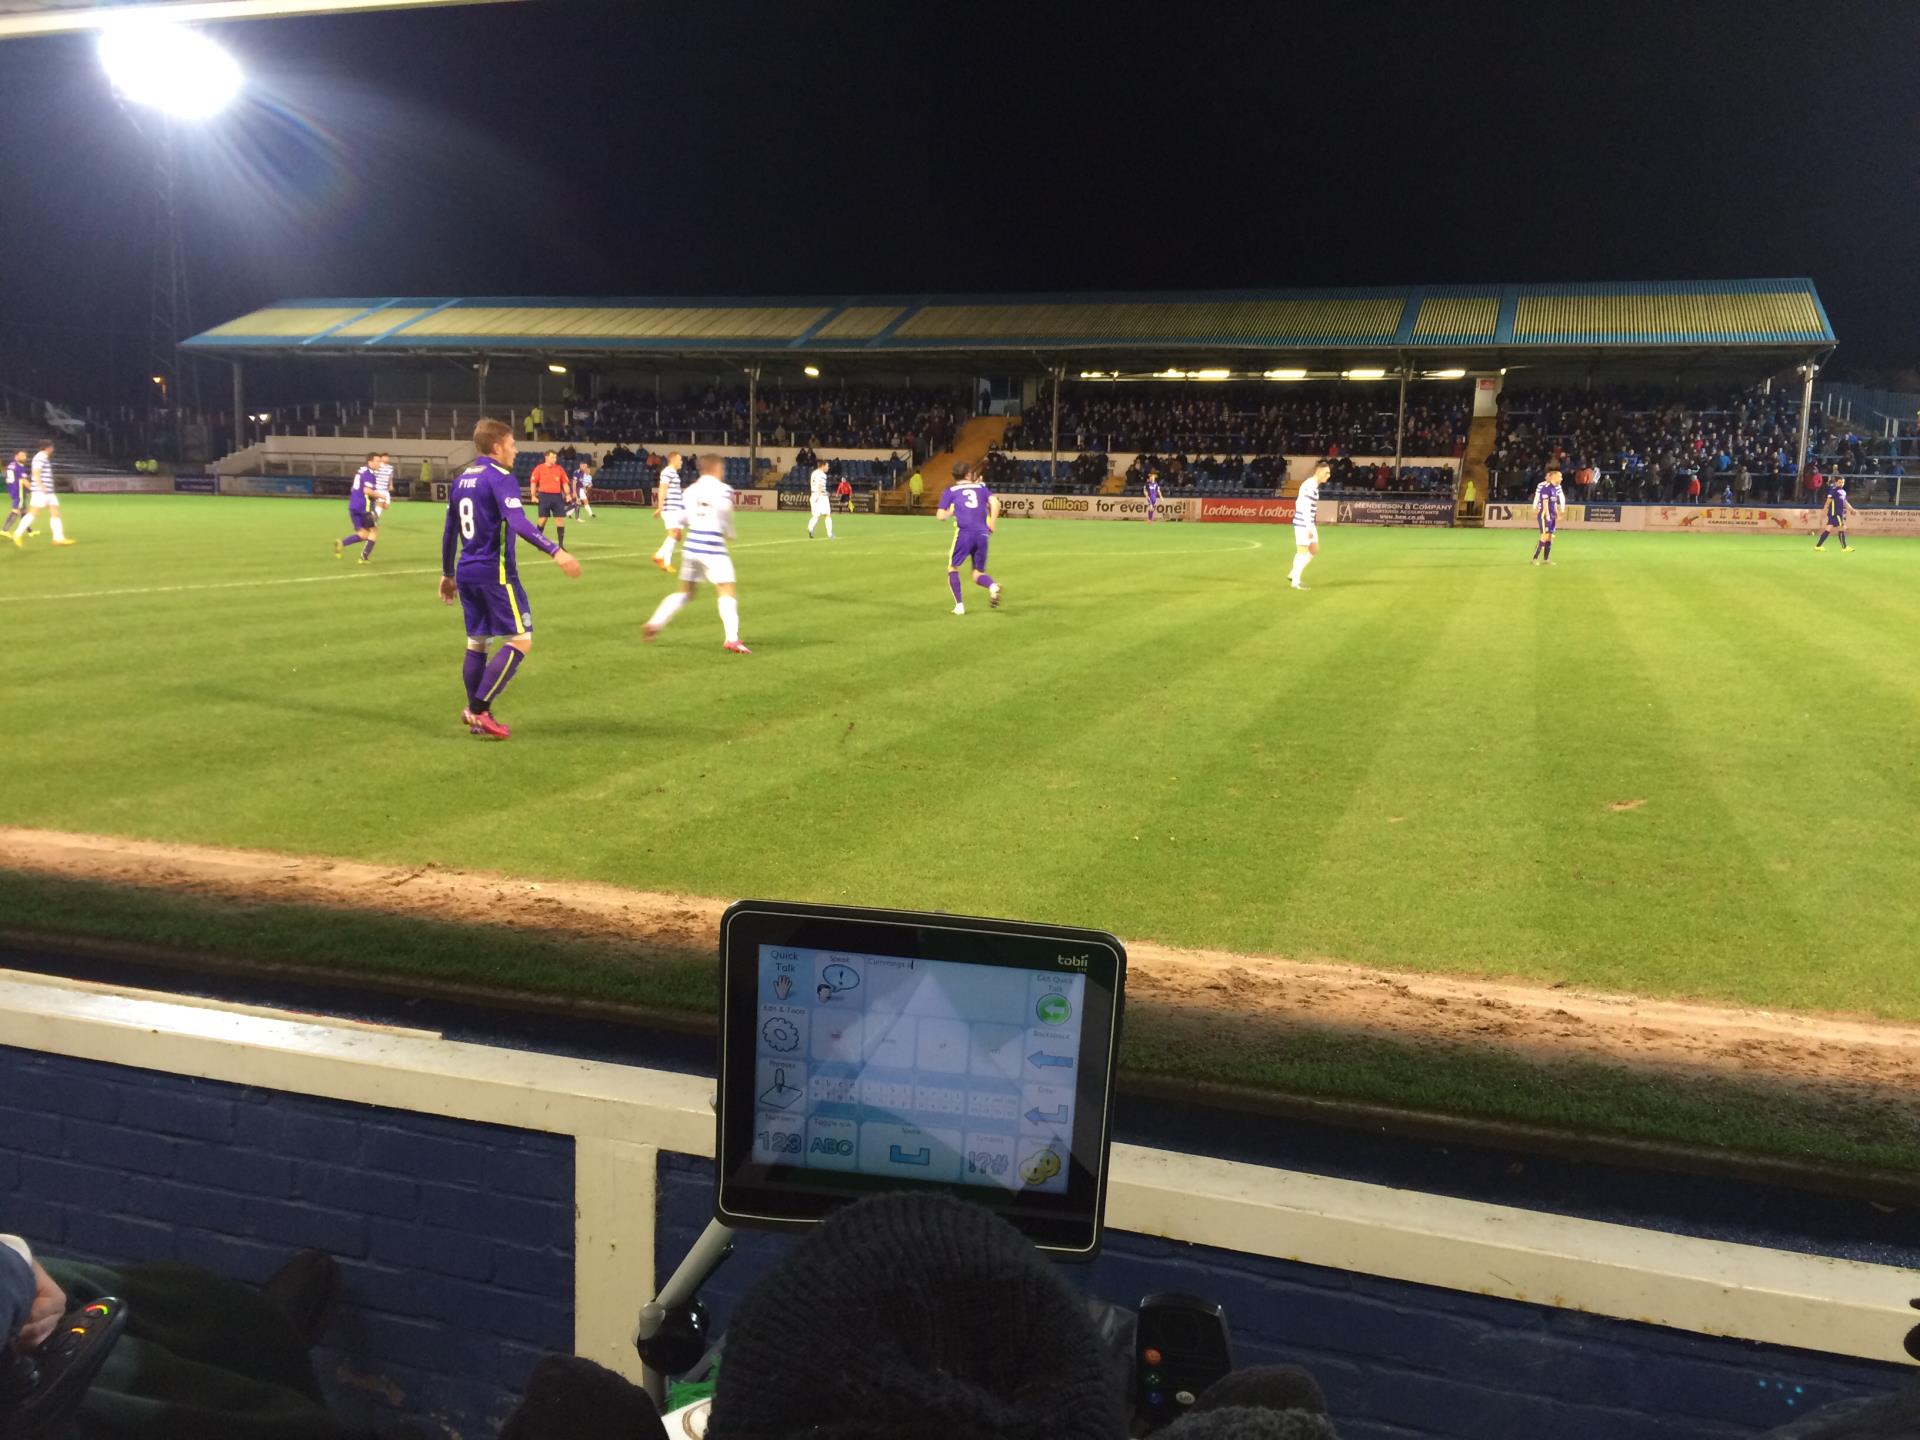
x=972 y=547
x=496 y=611
x=362 y=517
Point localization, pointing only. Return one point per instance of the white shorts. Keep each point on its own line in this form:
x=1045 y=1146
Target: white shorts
x=714 y=569
x=41 y=499
x=674 y=519
x=822 y=506
x=1305 y=535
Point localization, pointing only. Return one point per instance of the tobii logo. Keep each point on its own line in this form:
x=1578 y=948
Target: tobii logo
x=1072 y=962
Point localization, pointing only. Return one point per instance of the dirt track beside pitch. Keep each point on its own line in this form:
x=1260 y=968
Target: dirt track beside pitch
x=1214 y=991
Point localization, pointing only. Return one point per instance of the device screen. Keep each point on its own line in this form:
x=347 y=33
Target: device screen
x=880 y=1067
x=917 y=1069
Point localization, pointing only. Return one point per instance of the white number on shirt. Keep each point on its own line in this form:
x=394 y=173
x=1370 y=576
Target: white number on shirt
x=973 y=499
x=466 y=518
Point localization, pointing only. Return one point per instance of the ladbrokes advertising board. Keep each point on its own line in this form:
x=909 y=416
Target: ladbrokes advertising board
x=1248 y=512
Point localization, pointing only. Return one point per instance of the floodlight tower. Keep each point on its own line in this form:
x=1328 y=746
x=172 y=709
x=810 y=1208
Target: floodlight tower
x=182 y=76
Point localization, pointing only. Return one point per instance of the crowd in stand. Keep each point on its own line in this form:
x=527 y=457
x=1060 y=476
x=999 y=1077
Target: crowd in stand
x=1628 y=444
x=1248 y=419
x=920 y=422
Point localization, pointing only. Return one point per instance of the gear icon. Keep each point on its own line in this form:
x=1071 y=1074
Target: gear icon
x=781 y=1034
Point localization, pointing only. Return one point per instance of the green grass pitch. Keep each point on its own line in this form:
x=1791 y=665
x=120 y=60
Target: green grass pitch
x=1414 y=764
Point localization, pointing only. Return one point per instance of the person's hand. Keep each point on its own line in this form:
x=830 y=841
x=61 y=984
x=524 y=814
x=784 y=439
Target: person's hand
x=449 y=592
x=49 y=1304
x=569 y=566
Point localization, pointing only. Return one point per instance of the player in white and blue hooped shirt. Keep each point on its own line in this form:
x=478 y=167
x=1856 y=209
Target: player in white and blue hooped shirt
x=709 y=525
x=671 y=508
x=1306 y=522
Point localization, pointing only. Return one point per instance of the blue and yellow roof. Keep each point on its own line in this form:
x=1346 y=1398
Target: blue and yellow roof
x=1409 y=320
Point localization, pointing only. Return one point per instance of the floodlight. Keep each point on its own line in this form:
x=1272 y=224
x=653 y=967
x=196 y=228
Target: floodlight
x=556 y=369
x=1365 y=374
x=159 y=379
x=1213 y=374
x=1286 y=374
x=813 y=371
x=1446 y=374
x=169 y=67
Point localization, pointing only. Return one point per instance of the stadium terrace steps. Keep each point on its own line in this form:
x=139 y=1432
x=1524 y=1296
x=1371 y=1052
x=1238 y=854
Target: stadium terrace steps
x=976 y=437
x=1481 y=436
x=1116 y=483
x=70 y=456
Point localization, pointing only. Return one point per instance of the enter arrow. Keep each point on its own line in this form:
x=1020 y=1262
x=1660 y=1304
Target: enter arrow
x=1040 y=1057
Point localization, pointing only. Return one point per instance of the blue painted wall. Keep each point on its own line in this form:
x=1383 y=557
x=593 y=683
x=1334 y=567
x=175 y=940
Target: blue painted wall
x=1399 y=1360
x=455 y=1240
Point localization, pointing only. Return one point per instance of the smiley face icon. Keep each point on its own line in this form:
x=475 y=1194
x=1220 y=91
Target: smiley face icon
x=1040 y=1167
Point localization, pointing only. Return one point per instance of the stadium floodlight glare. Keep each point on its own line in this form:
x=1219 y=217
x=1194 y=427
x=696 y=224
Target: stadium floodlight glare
x=1213 y=374
x=159 y=379
x=556 y=369
x=1364 y=374
x=177 y=71
x=1286 y=374
x=1446 y=374
x=813 y=372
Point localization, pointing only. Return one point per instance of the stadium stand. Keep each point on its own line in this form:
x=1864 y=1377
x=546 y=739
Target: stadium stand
x=1648 y=445
x=1244 y=419
x=917 y=421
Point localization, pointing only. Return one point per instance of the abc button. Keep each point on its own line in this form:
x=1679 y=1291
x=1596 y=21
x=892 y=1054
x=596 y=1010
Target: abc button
x=832 y=1144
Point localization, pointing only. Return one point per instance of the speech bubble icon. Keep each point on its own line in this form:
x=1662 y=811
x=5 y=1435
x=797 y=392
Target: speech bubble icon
x=841 y=977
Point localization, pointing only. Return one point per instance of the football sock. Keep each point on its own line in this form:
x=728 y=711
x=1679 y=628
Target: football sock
x=59 y=530
x=730 y=615
x=472 y=669
x=560 y=531
x=953 y=579
x=1822 y=540
x=829 y=527
x=1546 y=549
x=366 y=551
x=668 y=608
x=983 y=580
x=1843 y=539
x=1536 y=549
x=499 y=671
x=665 y=552
x=811 y=522
x=347 y=541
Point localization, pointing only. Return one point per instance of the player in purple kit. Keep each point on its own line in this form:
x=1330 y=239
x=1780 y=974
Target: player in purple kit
x=1548 y=498
x=16 y=488
x=974 y=512
x=366 y=520
x=1153 y=496
x=484 y=515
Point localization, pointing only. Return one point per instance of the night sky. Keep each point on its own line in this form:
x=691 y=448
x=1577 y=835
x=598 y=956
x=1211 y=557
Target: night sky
x=615 y=147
